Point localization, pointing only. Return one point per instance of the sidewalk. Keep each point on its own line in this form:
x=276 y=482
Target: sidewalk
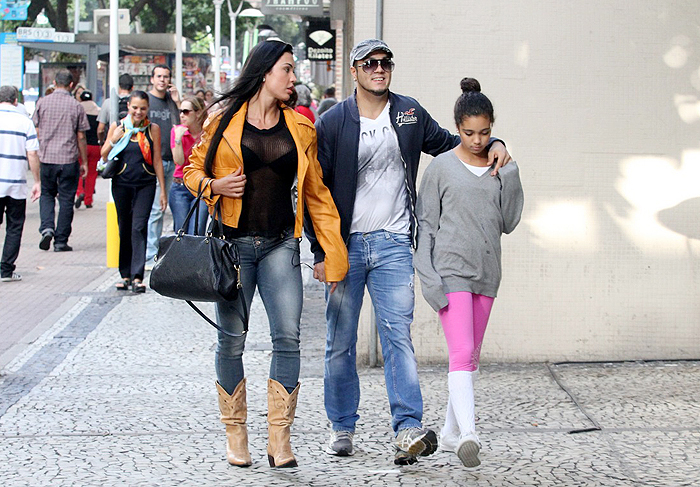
x=118 y=389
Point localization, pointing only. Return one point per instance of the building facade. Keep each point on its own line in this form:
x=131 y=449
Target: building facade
x=598 y=103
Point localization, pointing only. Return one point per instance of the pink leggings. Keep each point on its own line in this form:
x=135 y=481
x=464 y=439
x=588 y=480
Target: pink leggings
x=464 y=322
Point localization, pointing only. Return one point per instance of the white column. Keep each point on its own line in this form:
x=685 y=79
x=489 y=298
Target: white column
x=76 y=15
x=217 y=45
x=114 y=55
x=178 y=47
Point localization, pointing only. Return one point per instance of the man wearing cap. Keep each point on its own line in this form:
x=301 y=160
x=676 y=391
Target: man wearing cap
x=369 y=147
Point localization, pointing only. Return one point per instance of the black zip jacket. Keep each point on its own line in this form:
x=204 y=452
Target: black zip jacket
x=338 y=133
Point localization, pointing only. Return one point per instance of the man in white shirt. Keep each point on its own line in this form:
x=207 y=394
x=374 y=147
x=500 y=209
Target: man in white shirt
x=18 y=146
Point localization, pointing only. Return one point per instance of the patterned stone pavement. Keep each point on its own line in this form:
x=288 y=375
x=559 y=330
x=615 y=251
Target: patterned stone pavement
x=120 y=391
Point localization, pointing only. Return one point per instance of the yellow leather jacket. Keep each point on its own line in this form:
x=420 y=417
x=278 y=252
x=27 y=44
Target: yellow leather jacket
x=311 y=190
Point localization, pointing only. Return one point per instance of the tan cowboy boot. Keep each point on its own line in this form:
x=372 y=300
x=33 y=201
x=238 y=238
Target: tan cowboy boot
x=234 y=412
x=281 y=407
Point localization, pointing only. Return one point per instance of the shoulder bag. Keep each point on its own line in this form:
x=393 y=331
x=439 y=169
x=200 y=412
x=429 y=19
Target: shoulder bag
x=200 y=267
x=113 y=167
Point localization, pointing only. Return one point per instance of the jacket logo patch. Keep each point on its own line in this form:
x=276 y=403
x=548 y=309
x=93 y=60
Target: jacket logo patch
x=407 y=117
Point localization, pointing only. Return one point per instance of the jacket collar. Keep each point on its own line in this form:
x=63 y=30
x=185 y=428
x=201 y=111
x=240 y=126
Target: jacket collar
x=355 y=111
x=233 y=132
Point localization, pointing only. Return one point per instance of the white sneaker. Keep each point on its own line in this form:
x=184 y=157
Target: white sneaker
x=468 y=450
x=12 y=278
x=448 y=442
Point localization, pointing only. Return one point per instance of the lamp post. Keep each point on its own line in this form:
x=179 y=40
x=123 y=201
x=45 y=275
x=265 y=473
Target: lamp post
x=249 y=12
x=178 y=46
x=232 y=16
x=217 y=45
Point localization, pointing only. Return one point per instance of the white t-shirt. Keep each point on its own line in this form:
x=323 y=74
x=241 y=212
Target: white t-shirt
x=478 y=170
x=17 y=136
x=381 y=198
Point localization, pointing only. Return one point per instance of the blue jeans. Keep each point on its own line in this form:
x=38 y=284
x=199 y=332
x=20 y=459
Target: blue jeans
x=384 y=262
x=181 y=200
x=273 y=265
x=155 y=219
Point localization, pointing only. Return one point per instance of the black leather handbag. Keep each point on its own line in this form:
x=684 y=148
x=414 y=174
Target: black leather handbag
x=200 y=267
x=113 y=167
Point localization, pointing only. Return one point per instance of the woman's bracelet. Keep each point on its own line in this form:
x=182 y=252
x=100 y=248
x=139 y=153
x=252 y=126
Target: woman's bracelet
x=111 y=144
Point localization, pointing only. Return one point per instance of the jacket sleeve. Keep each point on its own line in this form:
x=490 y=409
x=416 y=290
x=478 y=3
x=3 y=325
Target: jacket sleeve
x=428 y=214
x=325 y=221
x=512 y=198
x=436 y=139
x=324 y=160
x=194 y=172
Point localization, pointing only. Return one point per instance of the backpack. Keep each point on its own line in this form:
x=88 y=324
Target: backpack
x=123 y=108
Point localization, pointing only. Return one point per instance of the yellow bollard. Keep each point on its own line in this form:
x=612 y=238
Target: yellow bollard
x=112 y=236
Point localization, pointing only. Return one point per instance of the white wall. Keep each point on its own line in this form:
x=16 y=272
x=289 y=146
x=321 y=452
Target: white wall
x=598 y=103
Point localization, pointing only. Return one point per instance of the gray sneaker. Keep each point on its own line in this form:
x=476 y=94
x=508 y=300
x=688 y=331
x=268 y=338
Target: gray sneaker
x=410 y=440
x=403 y=458
x=340 y=444
x=430 y=441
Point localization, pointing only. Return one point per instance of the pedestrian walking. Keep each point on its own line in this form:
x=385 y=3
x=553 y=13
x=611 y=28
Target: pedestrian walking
x=182 y=138
x=19 y=146
x=369 y=148
x=303 y=104
x=61 y=124
x=164 y=103
x=106 y=117
x=137 y=143
x=86 y=185
x=328 y=100
x=256 y=130
x=462 y=212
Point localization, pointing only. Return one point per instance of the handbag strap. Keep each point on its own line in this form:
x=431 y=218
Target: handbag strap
x=244 y=316
x=193 y=209
x=216 y=221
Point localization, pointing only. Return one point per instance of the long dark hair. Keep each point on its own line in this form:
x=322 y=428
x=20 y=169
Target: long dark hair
x=260 y=61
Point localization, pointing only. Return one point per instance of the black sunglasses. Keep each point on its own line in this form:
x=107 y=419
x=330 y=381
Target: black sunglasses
x=371 y=65
x=185 y=111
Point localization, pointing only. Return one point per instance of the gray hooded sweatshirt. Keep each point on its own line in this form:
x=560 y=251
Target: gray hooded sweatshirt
x=461 y=217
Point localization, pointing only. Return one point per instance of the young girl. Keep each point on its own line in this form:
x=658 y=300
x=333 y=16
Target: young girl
x=463 y=208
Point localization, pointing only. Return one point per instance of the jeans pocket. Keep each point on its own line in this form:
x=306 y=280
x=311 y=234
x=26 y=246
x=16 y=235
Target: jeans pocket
x=400 y=239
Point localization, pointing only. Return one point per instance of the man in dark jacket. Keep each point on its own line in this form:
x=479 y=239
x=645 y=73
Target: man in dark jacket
x=369 y=148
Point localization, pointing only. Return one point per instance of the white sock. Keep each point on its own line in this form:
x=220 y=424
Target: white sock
x=461 y=386
x=451 y=428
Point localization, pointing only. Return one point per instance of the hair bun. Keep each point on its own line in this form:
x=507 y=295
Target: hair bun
x=470 y=84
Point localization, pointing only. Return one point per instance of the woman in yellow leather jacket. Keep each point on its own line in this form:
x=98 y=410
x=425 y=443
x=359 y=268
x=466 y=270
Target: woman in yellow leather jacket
x=254 y=151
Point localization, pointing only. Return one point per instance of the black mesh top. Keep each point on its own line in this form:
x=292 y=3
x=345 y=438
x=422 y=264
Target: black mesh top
x=270 y=166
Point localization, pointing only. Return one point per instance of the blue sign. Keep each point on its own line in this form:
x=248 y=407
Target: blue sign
x=14 y=9
x=8 y=38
